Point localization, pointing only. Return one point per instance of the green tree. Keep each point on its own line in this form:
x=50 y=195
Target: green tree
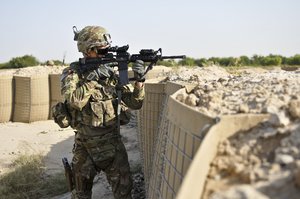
x=25 y=61
x=229 y=61
x=271 y=60
x=187 y=62
x=295 y=60
x=244 y=61
x=215 y=60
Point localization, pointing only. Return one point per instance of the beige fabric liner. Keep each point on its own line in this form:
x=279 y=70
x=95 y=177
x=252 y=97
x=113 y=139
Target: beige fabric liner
x=6 y=98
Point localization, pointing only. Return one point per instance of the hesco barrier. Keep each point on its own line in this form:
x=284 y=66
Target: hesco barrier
x=185 y=132
x=31 y=98
x=55 y=94
x=194 y=181
x=155 y=176
x=6 y=99
x=148 y=121
x=182 y=133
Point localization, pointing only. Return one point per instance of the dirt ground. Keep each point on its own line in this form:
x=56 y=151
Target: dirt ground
x=47 y=138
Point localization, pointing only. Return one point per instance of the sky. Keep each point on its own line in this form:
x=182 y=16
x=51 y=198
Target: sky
x=196 y=28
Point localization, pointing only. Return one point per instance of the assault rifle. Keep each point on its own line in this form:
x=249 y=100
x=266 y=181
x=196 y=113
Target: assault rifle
x=118 y=56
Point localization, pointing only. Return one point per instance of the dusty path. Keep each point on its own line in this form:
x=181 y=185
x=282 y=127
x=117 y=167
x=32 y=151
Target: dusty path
x=47 y=138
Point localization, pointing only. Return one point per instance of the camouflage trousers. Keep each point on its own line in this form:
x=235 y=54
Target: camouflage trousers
x=105 y=153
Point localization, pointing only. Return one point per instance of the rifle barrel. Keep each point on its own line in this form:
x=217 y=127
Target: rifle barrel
x=173 y=57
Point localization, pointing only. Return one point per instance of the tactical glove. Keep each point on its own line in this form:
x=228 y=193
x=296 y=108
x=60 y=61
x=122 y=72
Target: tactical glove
x=138 y=69
x=103 y=72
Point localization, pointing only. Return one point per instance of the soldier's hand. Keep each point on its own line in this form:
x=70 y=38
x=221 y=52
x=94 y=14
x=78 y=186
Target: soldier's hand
x=138 y=69
x=103 y=72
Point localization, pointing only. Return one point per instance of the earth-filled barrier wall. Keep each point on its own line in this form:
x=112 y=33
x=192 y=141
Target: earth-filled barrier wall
x=181 y=134
x=31 y=101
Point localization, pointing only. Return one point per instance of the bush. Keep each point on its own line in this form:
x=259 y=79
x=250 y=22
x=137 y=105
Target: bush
x=187 y=62
x=271 y=60
x=201 y=62
x=168 y=63
x=3 y=65
x=21 y=62
x=295 y=60
x=244 y=61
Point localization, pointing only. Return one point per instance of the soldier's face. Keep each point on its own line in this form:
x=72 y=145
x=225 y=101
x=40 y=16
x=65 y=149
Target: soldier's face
x=92 y=54
x=98 y=52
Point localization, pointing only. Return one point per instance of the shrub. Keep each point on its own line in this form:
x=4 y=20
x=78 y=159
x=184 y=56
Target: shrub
x=168 y=63
x=295 y=60
x=201 y=62
x=187 y=62
x=21 y=62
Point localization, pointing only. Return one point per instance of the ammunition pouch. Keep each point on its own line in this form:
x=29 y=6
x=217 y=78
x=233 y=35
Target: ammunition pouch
x=104 y=114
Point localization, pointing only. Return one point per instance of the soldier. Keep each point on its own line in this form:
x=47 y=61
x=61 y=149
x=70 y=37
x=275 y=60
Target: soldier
x=91 y=101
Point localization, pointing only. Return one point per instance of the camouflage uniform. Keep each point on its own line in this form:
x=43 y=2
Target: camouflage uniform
x=98 y=146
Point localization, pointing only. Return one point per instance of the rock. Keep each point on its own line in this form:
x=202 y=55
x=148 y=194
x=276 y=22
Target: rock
x=181 y=97
x=294 y=108
x=274 y=168
x=268 y=132
x=239 y=192
x=279 y=119
x=284 y=159
x=244 y=150
x=191 y=100
x=243 y=108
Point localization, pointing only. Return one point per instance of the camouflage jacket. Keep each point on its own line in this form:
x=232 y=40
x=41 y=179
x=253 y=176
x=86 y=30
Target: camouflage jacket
x=94 y=103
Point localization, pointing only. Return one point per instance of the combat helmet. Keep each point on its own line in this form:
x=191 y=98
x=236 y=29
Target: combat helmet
x=91 y=36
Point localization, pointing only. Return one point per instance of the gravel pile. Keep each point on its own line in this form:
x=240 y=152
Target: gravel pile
x=276 y=92
x=196 y=74
x=263 y=162
x=34 y=70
